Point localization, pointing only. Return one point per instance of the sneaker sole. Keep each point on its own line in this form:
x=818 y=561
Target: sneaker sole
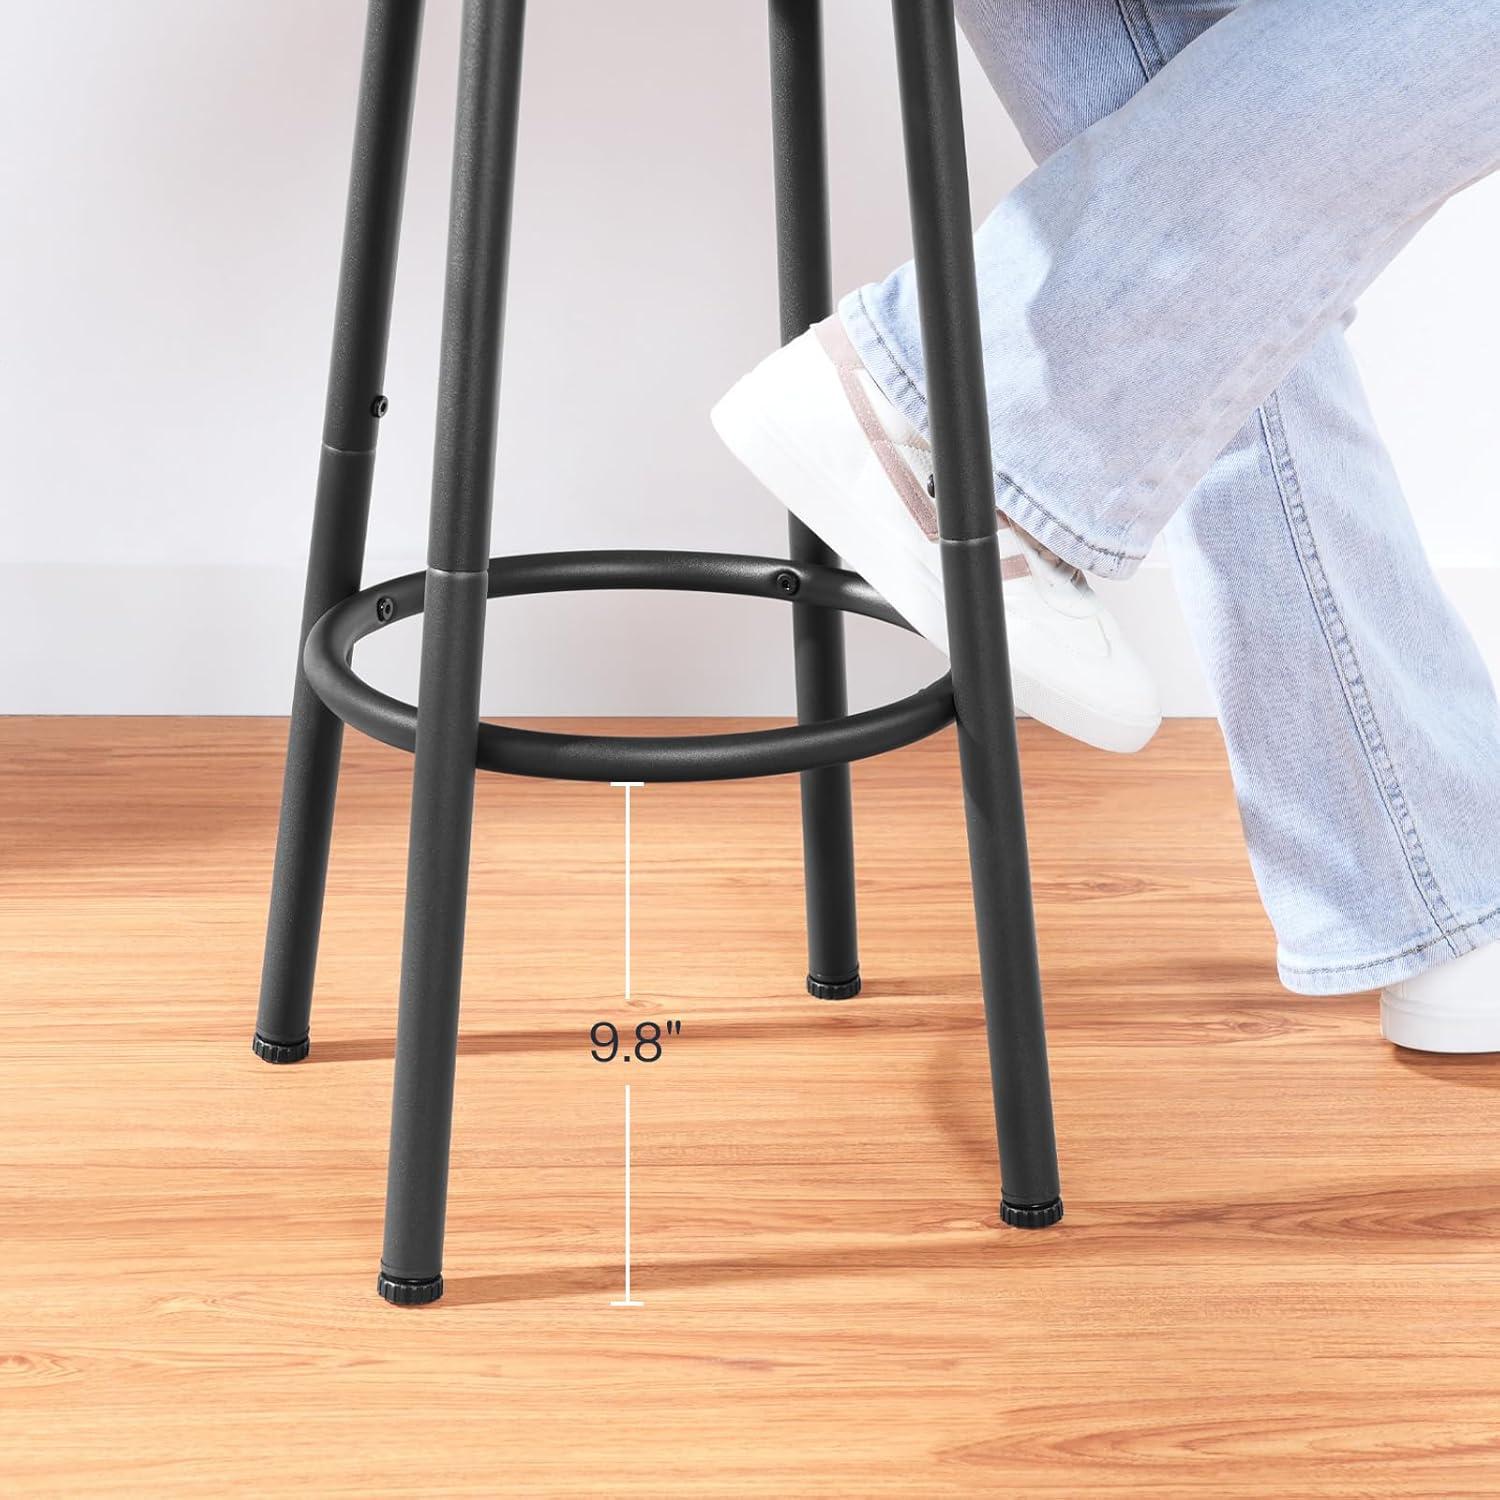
x=1429 y=1030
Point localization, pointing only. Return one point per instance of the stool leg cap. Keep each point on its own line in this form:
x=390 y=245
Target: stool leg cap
x=400 y=1291
x=280 y=1052
x=1031 y=1215
x=833 y=989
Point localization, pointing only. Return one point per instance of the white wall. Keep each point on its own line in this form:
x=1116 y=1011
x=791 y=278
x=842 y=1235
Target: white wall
x=172 y=179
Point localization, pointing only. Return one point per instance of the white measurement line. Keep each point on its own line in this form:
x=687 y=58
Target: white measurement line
x=627 y=785
x=628 y=1300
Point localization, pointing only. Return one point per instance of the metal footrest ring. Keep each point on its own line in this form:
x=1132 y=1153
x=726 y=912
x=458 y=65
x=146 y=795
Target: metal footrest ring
x=575 y=757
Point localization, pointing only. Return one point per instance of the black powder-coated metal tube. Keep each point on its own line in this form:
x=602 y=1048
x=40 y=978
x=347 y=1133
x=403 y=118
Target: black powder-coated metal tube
x=806 y=291
x=942 y=232
x=457 y=585
x=340 y=516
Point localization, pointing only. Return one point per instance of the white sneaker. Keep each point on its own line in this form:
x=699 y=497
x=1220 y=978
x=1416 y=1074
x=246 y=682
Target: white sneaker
x=814 y=428
x=1452 y=1008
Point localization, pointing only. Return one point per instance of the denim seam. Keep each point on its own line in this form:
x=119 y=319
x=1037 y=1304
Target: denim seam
x=1346 y=665
x=919 y=400
x=1407 y=952
x=1135 y=17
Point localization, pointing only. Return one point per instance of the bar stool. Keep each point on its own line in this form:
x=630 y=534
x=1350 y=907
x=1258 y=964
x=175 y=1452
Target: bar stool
x=444 y=730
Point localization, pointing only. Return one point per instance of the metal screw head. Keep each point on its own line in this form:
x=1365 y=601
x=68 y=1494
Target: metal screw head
x=788 y=583
x=385 y=609
x=379 y=407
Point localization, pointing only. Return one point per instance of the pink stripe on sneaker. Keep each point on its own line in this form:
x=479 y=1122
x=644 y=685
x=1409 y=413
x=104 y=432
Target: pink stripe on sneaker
x=834 y=338
x=838 y=346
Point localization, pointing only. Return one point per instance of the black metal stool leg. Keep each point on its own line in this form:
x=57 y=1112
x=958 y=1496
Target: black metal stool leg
x=345 y=473
x=442 y=812
x=938 y=183
x=806 y=286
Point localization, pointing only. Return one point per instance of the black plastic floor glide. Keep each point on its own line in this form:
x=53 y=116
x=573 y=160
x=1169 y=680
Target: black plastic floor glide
x=834 y=989
x=403 y=1293
x=280 y=1052
x=1031 y=1216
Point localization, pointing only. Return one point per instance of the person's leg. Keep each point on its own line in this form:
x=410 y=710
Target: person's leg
x=1150 y=283
x=1361 y=724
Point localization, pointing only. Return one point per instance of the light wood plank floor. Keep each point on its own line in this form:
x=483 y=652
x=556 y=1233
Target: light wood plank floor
x=1278 y=1275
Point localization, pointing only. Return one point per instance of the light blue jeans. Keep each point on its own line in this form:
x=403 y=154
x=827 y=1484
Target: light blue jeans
x=1162 y=304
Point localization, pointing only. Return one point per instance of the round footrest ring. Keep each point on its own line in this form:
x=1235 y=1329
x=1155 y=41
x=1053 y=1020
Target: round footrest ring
x=574 y=757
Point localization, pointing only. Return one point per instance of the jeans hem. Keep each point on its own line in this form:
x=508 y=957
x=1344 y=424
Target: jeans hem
x=1374 y=974
x=1039 y=521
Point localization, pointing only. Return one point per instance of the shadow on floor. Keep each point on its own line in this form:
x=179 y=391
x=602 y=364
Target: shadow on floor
x=1443 y=1217
x=1479 y=1070
x=605 y=1281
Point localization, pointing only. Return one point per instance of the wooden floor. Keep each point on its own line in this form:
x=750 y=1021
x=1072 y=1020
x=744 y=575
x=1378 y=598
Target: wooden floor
x=1279 y=1274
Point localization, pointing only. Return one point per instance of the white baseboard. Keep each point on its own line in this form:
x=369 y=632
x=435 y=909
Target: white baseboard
x=216 y=639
